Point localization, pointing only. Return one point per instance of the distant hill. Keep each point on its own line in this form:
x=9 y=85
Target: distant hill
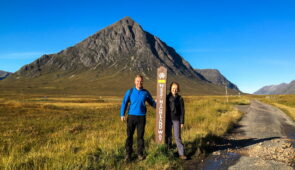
x=4 y=74
x=283 y=88
x=215 y=77
x=105 y=64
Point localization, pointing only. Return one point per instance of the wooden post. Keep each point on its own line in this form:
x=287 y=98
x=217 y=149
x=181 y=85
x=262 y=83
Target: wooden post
x=161 y=105
x=226 y=93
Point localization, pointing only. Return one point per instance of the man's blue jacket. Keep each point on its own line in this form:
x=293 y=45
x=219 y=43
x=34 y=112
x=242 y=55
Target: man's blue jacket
x=137 y=101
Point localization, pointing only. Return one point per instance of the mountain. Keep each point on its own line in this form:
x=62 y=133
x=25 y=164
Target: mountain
x=123 y=46
x=283 y=88
x=215 y=77
x=4 y=74
x=105 y=63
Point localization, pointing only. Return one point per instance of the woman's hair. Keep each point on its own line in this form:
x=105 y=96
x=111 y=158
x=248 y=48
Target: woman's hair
x=138 y=75
x=178 y=88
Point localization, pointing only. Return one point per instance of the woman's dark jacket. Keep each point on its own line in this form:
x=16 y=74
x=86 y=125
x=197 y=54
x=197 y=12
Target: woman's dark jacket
x=175 y=108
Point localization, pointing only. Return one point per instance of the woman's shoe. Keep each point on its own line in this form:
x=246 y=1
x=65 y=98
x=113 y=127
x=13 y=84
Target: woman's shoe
x=183 y=157
x=140 y=157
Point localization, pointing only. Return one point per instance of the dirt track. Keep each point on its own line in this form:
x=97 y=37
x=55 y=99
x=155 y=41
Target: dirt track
x=264 y=139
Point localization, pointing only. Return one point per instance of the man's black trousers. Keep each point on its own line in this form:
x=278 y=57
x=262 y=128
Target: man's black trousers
x=135 y=122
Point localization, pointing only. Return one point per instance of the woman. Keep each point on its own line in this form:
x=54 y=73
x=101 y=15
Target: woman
x=175 y=118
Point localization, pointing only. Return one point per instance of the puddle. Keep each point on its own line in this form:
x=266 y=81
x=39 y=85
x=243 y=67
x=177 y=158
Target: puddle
x=219 y=162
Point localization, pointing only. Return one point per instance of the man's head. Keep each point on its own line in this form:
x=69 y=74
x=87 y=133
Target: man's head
x=138 y=81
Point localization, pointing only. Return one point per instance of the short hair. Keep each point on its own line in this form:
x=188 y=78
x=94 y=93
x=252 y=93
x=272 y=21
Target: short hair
x=178 y=87
x=138 y=75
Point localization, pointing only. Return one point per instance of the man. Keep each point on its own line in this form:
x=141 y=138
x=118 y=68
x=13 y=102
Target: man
x=137 y=97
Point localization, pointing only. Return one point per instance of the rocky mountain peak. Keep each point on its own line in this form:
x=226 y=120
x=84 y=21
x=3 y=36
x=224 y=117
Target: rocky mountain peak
x=122 y=46
x=127 y=21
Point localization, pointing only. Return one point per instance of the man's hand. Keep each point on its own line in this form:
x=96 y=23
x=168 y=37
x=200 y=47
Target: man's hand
x=181 y=125
x=122 y=118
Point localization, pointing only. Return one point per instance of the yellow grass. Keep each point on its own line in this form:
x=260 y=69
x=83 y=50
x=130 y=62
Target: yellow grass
x=86 y=132
x=79 y=105
x=290 y=110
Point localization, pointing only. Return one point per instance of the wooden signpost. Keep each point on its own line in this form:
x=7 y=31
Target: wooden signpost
x=161 y=105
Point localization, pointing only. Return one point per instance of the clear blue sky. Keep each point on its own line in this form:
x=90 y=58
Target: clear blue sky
x=251 y=42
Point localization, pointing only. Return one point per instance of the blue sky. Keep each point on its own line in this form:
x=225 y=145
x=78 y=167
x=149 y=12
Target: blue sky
x=251 y=42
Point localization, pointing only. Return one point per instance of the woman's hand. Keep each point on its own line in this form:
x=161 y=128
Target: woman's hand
x=181 y=125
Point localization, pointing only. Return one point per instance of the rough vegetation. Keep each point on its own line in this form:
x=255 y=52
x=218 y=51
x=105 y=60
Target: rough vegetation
x=84 y=132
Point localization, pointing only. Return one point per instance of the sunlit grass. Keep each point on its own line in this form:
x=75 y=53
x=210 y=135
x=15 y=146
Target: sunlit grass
x=86 y=132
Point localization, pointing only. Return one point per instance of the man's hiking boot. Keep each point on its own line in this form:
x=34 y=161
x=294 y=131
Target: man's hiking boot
x=140 y=157
x=183 y=157
x=170 y=146
x=128 y=159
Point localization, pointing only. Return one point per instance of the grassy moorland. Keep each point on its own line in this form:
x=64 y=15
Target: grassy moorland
x=284 y=102
x=85 y=132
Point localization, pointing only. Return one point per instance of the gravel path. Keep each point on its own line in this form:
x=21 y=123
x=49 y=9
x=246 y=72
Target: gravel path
x=264 y=139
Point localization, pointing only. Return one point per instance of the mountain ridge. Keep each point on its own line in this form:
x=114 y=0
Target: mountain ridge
x=4 y=74
x=134 y=36
x=283 y=88
x=214 y=76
